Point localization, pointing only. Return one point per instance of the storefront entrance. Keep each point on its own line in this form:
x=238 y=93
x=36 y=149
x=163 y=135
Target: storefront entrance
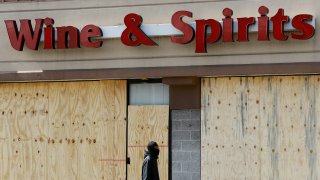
x=148 y=122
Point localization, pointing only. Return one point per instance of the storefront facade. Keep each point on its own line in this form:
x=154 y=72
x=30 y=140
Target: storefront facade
x=240 y=102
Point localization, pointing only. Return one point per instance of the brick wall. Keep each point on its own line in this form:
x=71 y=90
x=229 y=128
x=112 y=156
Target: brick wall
x=185 y=144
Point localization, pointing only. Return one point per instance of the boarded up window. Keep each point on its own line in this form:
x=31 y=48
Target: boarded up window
x=63 y=130
x=260 y=127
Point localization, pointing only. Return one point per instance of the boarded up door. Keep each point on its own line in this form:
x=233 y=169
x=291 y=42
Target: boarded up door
x=63 y=130
x=147 y=123
x=260 y=128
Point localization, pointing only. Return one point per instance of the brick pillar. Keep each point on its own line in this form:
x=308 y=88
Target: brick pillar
x=185 y=144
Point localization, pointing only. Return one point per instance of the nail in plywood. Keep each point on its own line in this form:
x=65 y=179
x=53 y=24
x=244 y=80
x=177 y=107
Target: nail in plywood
x=146 y=123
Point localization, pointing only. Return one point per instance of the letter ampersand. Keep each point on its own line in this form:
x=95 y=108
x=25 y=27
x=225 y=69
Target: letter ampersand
x=133 y=35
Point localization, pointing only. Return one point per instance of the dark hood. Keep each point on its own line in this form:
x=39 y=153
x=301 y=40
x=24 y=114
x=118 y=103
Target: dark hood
x=153 y=151
x=153 y=156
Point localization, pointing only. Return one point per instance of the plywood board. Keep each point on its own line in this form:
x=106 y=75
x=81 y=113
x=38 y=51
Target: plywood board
x=260 y=127
x=23 y=122
x=63 y=130
x=146 y=123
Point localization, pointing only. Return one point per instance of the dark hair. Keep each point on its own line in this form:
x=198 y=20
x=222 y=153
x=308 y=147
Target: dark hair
x=151 y=145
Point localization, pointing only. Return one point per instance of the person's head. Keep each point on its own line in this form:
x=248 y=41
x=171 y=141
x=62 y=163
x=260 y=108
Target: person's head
x=153 y=148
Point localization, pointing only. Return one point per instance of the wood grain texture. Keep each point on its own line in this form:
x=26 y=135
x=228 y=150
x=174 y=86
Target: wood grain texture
x=63 y=130
x=146 y=123
x=260 y=127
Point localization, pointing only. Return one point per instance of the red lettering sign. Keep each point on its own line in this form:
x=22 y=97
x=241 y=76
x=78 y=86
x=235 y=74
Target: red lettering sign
x=305 y=29
x=88 y=33
x=263 y=24
x=299 y=22
x=49 y=34
x=227 y=26
x=68 y=36
x=25 y=35
x=205 y=32
x=188 y=32
x=278 y=20
x=201 y=34
x=133 y=36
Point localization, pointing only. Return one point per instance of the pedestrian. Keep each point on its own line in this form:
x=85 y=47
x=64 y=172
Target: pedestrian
x=150 y=163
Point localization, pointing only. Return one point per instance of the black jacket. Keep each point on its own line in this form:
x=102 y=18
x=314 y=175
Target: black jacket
x=150 y=168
